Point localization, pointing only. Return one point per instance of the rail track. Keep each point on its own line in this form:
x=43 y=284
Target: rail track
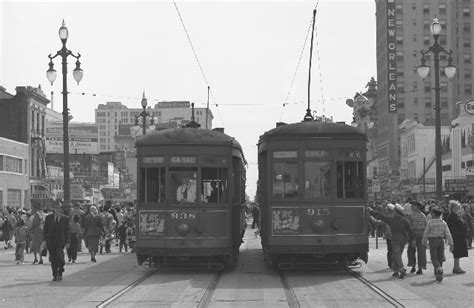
x=290 y=294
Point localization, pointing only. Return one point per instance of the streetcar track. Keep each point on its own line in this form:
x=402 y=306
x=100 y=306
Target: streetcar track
x=120 y=293
x=206 y=297
x=387 y=297
x=289 y=292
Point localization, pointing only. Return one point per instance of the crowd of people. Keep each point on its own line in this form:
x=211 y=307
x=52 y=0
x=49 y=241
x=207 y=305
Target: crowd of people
x=420 y=225
x=50 y=231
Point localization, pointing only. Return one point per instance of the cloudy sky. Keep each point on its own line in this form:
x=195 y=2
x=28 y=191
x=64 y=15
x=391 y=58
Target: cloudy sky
x=248 y=52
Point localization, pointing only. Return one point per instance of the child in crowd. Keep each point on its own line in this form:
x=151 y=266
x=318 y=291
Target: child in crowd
x=122 y=235
x=436 y=232
x=21 y=233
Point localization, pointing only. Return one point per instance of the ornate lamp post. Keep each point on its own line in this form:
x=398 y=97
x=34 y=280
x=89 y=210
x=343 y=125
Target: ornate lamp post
x=77 y=73
x=423 y=71
x=144 y=114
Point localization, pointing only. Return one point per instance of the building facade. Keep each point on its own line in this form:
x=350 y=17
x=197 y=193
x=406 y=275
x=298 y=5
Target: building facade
x=14 y=179
x=403 y=30
x=23 y=119
x=110 y=116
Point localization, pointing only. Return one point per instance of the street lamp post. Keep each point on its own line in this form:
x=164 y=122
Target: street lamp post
x=423 y=71
x=51 y=75
x=143 y=114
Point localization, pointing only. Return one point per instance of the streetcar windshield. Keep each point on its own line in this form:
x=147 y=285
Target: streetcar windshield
x=350 y=179
x=214 y=184
x=285 y=179
x=183 y=185
x=317 y=182
x=152 y=188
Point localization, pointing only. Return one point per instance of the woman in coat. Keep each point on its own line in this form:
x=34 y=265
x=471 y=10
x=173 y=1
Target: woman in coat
x=458 y=231
x=93 y=229
x=36 y=232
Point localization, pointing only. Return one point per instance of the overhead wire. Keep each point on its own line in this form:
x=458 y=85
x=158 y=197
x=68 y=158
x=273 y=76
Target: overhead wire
x=197 y=58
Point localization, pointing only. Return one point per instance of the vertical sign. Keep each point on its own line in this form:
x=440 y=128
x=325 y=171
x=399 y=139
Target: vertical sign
x=391 y=54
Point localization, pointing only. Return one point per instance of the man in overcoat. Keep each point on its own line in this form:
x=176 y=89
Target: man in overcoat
x=56 y=238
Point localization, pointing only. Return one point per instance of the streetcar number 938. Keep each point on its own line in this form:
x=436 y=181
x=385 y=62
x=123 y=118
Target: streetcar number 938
x=318 y=212
x=183 y=215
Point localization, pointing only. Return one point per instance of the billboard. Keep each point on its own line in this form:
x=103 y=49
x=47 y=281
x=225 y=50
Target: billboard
x=82 y=139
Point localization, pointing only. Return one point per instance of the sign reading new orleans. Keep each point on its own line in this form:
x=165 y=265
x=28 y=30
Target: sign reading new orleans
x=392 y=57
x=82 y=139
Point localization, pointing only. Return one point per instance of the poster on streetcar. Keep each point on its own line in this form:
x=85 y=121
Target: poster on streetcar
x=82 y=139
x=151 y=223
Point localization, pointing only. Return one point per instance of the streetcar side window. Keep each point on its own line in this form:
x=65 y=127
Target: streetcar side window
x=214 y=184
x=350 y=179
x=183 y=185
x=285 y=180
x=317 y=182
x=152 y=188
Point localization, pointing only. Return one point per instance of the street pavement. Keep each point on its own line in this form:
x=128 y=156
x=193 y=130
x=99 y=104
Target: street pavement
x=87 y=284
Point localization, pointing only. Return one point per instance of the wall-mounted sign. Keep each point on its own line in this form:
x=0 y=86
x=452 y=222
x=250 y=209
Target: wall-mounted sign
x=469 y=107
x=391 y=57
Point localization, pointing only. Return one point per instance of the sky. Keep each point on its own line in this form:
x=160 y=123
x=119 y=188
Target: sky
x=248 y=53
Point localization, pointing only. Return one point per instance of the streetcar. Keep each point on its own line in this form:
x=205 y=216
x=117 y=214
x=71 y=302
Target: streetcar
x=312 y=194
x=191 y=197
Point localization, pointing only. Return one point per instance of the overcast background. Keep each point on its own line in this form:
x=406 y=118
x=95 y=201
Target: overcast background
x=248 y=51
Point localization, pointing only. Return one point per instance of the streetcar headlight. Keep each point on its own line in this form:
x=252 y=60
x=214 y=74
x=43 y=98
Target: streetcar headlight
x=318 y=225
x=182 y=229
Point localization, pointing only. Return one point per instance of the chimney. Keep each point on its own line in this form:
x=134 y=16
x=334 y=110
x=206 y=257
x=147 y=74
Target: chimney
x=219 y=129
x=278 y=124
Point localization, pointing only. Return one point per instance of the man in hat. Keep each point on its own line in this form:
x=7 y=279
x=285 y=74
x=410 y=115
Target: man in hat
x=436 y=232
x=401 y=234
x=56 y=237
x=418 y=224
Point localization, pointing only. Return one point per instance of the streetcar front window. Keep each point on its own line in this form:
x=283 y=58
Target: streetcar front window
x=214 y=185
x=317 y=180
x=183 y=185
x=152 y=188
x=285 y=180
x=350 y=179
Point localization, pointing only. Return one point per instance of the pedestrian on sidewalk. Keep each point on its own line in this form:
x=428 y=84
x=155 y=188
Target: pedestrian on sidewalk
x=401 y=234
x=122 y=235
x=56 y=238
x=36 y=232
x=7 y=232
x=418 y=224
x=74 y=238
x=20 y=233
x=93 y=229
x=387 y=234
x=436 y=232
x=458 y=232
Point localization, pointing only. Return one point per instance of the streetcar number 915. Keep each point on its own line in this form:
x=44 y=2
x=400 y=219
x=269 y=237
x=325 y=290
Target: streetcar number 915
x=183 y=215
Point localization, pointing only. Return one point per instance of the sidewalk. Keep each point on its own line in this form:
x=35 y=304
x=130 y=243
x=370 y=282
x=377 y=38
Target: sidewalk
x=454 y=290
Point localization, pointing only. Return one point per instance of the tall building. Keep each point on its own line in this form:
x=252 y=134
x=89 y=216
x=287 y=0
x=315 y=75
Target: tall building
x=110 y=116
x=23 y=118
x=403 y=30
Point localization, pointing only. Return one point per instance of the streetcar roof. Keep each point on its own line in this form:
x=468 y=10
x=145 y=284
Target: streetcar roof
x=313 y=129
x=187 y=136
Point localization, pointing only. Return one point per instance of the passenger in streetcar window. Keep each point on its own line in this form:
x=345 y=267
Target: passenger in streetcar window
x=186 y=192
x=213 y=197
